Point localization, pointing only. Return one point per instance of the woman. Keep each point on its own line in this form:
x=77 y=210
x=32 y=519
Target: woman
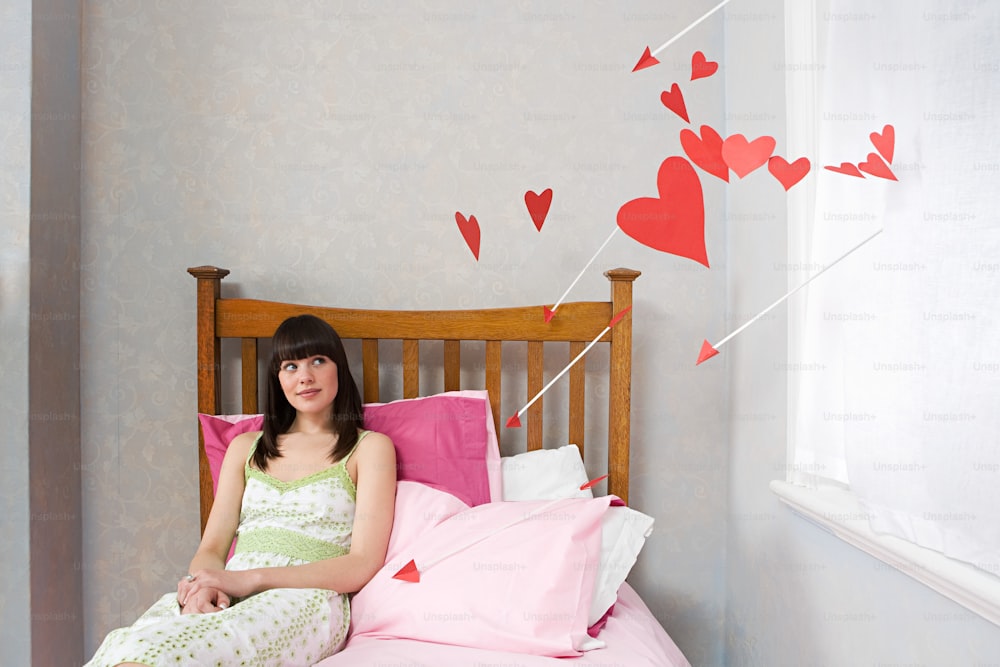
x=311 y=500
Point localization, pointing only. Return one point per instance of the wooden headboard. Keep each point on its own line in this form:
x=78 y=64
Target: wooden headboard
x=576 y=324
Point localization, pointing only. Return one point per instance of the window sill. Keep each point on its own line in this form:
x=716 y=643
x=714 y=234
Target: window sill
x=837 y=511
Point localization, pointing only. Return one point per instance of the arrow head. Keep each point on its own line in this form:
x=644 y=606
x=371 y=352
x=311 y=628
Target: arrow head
x=408 y=572
x=707 y=352
x=549 y=313
x=514 y=422
x=647 y=60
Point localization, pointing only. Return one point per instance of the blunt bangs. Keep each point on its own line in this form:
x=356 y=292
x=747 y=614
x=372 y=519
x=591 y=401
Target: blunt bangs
x=302 y=337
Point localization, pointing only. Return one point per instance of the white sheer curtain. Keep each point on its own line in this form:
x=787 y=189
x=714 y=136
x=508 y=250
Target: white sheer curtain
x=899 y=375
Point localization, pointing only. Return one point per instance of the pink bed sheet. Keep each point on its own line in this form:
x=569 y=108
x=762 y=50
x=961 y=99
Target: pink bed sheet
x=633 y=636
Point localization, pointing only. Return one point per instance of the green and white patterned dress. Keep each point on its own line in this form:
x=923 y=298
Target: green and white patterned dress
x=281 y=523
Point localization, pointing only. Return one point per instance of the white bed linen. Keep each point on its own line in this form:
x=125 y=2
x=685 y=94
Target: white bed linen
x=633 y=635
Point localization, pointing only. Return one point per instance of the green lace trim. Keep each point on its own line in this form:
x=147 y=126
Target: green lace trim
x=288 y=543
x=337 y=471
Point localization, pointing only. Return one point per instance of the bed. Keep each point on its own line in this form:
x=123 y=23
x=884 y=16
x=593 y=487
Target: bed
x=399 y=620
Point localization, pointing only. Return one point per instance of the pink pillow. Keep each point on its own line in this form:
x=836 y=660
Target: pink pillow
x=447 y=441
x=218 y=431
x=441 y=441
x=498 y=576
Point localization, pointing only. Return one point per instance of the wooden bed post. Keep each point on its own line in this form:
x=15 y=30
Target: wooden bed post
x=620 y=383
x=209 y=362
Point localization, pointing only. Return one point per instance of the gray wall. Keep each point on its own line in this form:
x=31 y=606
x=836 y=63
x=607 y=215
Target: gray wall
x=321 y=155
x=320 y=151
x=797 y=595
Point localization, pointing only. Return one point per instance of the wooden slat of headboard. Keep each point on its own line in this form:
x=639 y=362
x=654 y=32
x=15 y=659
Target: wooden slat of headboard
x=452 y=365
x=536 y=364
x=369 y=362
x=248 y=369
x=577 y=396
x=411 y=368
x=492 y=362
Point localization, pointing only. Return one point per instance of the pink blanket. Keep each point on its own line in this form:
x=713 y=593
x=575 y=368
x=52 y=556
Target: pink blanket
x=633 y=635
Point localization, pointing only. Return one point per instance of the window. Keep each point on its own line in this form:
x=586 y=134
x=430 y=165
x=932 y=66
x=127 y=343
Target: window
x=894 y=414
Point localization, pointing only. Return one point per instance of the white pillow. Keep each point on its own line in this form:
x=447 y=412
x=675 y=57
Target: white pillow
x=544 y=474
x=623 y=533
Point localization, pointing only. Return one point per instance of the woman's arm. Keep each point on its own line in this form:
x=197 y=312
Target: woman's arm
x=376 y=494
x=223 y=520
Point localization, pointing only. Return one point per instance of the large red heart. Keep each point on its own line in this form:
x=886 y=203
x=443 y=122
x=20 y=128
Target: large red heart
x=701 y=68
x=788 y=174
x=673 y=99
x=538 y=206
x=744 y=156
x=846 y=168
x=470 y=232
x=706 y=151
x=885 y=143
x=675 y=222
x=876 y=167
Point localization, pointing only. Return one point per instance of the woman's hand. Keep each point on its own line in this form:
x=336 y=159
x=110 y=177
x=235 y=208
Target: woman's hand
x=231 y=583
x=206 y=601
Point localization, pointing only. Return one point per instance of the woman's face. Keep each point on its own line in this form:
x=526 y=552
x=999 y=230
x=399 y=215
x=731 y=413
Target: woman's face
x=310 y=384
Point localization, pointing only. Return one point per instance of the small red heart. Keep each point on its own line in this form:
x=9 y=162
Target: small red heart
x=701 y=68
x=885 y=143
x=673 y=99
x=675 y=222
x=470 y=232
x=706 y=151
x=538 y=206
x=846 y=168
x=788 y=174
x=744 y=156
x=876 y=167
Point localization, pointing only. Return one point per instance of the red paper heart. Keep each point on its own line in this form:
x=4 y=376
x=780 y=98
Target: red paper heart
x=885 y=143
x=673 y=99
x=846 y=168
x=744 y=156
x=646 y=60
x=876 y=167
x=674 y=222
x=701 y=68
x=788 y=174
x=538 y=206
x=705 y=151
x=470 y=232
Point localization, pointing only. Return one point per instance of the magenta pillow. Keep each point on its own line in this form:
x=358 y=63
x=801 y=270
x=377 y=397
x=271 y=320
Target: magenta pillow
x=441 y=441
x=218 y=431
x=447 y=441
x=497 y=576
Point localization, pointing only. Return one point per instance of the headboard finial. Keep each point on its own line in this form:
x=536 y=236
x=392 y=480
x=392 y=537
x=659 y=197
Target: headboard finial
x=622 y=274
x=208 y=272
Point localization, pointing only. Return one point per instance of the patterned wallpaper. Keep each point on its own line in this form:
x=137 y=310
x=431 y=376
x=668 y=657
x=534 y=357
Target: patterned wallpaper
x=320 y=150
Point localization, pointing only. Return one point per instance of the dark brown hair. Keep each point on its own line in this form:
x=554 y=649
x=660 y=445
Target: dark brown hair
x=300 y=337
